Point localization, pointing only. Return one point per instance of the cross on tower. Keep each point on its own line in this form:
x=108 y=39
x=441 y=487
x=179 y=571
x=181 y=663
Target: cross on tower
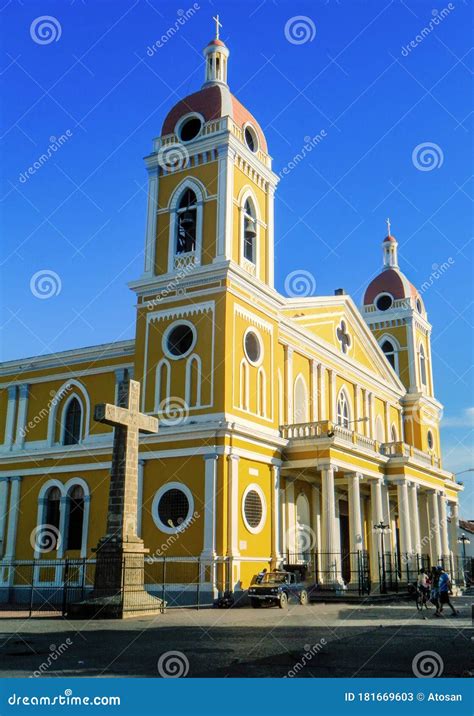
x=388 y=226
x=218 y=25
x=123 y=495
x=343 y=337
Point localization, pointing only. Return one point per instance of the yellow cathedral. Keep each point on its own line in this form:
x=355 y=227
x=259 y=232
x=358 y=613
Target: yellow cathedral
x=293 y=431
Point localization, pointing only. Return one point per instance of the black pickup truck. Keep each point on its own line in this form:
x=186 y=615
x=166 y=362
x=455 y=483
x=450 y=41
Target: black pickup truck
x=276 y=589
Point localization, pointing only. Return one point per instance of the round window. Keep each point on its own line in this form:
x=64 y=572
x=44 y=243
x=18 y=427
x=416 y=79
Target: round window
x=253 y=348
x=180 y=340
x=419 y=307
x=172 y=507
x=190 y=129
x=384 y=302
x=430 y=440
x=254 y=509
x=251 y=139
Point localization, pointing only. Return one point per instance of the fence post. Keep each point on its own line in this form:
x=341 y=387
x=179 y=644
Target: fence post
x=65 y=587
x=32 y=588
x=163 y=586
x=83 y=586
x=198 y=578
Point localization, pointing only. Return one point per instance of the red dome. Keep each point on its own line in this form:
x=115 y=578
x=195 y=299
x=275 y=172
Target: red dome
x=213 y=102
x=390 y=281
x=389 y=238
x=216 y=42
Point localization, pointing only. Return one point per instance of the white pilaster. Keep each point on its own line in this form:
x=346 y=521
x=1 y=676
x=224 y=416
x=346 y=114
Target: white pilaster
x=150 y=235
x=270 y=236
x=357 y=415
x=85 y=525
x=63 y=526
x=328 y=507
x=10 y=419
x=233 y=513
x=332 y=395
x=322 y=392
x=13 y=515
x=141 y=472
x=404 y=518
x=290 y=519
x=210 y=482
x=24 y=391
x=376 y=515
x=225 y=204
x=387 y=421
x=288 y=356
x=314 y=391
x=316 y=514
x=4 y=482
x=276 y=556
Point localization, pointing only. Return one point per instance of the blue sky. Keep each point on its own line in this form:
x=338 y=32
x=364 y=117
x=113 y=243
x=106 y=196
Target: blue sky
x=82 y=214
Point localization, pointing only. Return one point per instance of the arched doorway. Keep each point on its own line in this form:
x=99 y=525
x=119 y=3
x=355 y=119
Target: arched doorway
x=304 y=534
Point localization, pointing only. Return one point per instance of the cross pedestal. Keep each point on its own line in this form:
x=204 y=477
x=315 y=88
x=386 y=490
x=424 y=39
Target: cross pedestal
x=119 y=590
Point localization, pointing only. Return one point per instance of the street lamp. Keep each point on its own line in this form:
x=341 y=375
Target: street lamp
x=469 y=469
x=349 y=422
x=464 y=541
x=382 y=529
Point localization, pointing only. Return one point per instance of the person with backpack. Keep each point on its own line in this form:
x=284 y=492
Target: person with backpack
x=445 y=589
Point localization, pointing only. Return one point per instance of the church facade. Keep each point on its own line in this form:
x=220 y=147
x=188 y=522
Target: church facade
x=289 y=427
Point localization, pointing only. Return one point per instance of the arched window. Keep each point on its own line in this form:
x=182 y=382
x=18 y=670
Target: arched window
x=75 y=517
x=422 y=366
x=244 y=385
x=394 y=434
x=52 y=517
x=193 y=381
x=250 y=232
x=72 y=423
x=261 y=392
x=281 y=407
x=300 y=402
x=390 y=353
x=343 y=412
x=379 y=430
x=163 y=384
x=186 y=225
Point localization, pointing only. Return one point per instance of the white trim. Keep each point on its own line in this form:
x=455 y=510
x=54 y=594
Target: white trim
x=194 y=358
x=379 y=295
x=62 y=435
x=251 y=127
x=396 y=349
x=56 y=403
x=247 y=194
x=182 y=120
x=255 y=488
x=10 y=418
x=300 y=380
x=200 y=192
x=259 y=361
x=344 y=394
x=156 y=500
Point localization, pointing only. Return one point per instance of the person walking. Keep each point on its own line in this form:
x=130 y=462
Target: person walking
x=423 y=585
x=434 y=594
x=445 y=589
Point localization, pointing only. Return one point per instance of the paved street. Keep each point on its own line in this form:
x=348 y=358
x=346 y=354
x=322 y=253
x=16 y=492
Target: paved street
x=319 y=640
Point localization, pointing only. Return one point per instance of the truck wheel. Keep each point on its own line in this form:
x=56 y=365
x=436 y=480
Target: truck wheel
x=304 y=597
x=283 y=601
x=255 y=603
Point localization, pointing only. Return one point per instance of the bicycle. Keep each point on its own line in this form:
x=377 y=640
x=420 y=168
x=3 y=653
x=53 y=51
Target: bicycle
x=422 y=598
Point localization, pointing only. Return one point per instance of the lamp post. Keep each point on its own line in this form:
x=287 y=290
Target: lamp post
x=464 y=541
x=382 y=527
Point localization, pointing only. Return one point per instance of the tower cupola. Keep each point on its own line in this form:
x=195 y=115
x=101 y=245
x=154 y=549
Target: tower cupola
x=216 y=54
x=390 y=250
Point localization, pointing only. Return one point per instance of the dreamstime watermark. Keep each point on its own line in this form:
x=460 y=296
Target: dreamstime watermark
x=173 y=157
x=173 y=665
x=300 y=29
x=435 y=275
x=45 y=412
x=45 y=538
x=427 y=665
x=66 y=699
x=300 y=283
x=310 y=652
x=309 y=144
x=182 y=19
x=45 y=29
x=437 y=19
x=45 y=284
x=173 y=411
x=56 y=652
x=55 y=143
x=303 y=537
x=427 y=156
x=172 y=539
x=172 y=288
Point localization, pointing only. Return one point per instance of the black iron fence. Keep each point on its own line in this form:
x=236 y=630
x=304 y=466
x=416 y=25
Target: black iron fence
x=331 y=570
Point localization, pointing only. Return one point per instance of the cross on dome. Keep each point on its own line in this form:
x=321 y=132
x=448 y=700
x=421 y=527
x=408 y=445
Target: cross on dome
x=218 y=25
x=388 y=226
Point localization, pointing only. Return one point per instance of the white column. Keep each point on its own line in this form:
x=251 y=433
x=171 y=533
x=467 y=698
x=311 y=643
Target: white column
x=225 y=204
x=328 y=509
x=13 y=514
x=425 y=531
x=290 y=519
x=443 y=525
x=314 y=391
x=322 y=392
x=436 y=546
x=150 y=236
x=10 y=419
x=404 y=518
x=141 y=472
x=63 y=526
x=357 y=426
x=316 y=515
x=367 y=432
x=270 y=236
x=288 y=352
x=355 y=517
x=85 y=525
x=233 y=513
x=376 y=517
x=210 y=480
x=4 y=481
x=372 y=415
x=453 y=529
x=386 y=515
x=387 y=421
x=283 y=539
x=276 y=556
x=332 y=395
x=24 y=391
x=414 y=518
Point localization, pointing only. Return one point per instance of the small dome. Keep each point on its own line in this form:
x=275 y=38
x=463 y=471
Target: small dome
x=389 y=238
x=390 y=281
x=213 y=102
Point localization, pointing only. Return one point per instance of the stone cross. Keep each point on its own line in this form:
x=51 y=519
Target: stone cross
x=123 y=494
x=388 y=226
